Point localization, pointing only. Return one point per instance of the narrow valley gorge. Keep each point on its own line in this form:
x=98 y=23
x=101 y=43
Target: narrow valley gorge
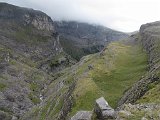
x=65 y=70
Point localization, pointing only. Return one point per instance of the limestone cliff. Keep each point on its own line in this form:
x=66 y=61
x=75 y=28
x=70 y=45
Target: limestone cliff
x=26 y=16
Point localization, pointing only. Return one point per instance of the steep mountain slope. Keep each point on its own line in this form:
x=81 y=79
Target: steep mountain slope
x=113 y=71
x=149 y=37
x=29 y=50
x=29 y=33
x=122 y=70
x=108 y=73
x=31 y=58
x=146 y=92
x=35 y=86
x=83 y=38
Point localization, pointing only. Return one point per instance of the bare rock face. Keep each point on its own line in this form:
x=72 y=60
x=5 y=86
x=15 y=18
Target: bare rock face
x=82 y=115
x=40 y=22
x=103 y=110
x=28 y=43
x=149 y=35
x=30 y=33
x=25 y=16
x=145 y=111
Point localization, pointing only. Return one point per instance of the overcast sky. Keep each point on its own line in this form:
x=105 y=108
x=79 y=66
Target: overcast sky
x=122 y=15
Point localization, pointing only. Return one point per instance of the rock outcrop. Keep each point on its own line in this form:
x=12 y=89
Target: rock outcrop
x=150 y=39
x=82 y=115
x=103 y=111
x=26 y=17
x=29 y=49
x=32 y=34
x=148 y=111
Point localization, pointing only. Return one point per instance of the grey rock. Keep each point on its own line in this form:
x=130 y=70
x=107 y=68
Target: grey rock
x=14 y=118
x=90 y=67
x=82 y=115
x=150 y=111
x=143 y=118
x=5 y=116
x=123 y=114
x=103 y=110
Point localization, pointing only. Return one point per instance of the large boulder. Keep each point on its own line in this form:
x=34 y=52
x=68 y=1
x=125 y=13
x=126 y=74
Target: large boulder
x=103 y=110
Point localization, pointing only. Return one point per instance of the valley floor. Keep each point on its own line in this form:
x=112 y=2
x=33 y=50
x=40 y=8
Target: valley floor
x=108 y=74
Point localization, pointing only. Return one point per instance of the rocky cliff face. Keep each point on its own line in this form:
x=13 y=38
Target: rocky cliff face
x=32 y=34
x=26 y=16
x=83 y=38
x=150 y=40
x=146 y=91
x=29 y=51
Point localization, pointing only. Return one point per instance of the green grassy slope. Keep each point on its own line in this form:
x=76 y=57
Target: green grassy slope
x=107 y=74
x=113 y=71
x=148 y=106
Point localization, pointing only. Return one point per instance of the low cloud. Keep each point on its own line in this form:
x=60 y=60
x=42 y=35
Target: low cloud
x=122 y=15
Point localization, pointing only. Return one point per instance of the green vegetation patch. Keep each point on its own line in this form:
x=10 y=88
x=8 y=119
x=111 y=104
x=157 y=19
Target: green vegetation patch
x=137 y=112
x=71 y=49
x=112 y=72
x=30 y=35
x=152 y=96
x=2 y=86
x=34 y=99
x=56 y=61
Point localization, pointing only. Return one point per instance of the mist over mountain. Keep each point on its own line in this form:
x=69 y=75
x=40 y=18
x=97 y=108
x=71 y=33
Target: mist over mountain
x=79 y=39
x=121 y=15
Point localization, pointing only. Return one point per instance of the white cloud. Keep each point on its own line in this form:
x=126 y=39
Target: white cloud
x=123 y=15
